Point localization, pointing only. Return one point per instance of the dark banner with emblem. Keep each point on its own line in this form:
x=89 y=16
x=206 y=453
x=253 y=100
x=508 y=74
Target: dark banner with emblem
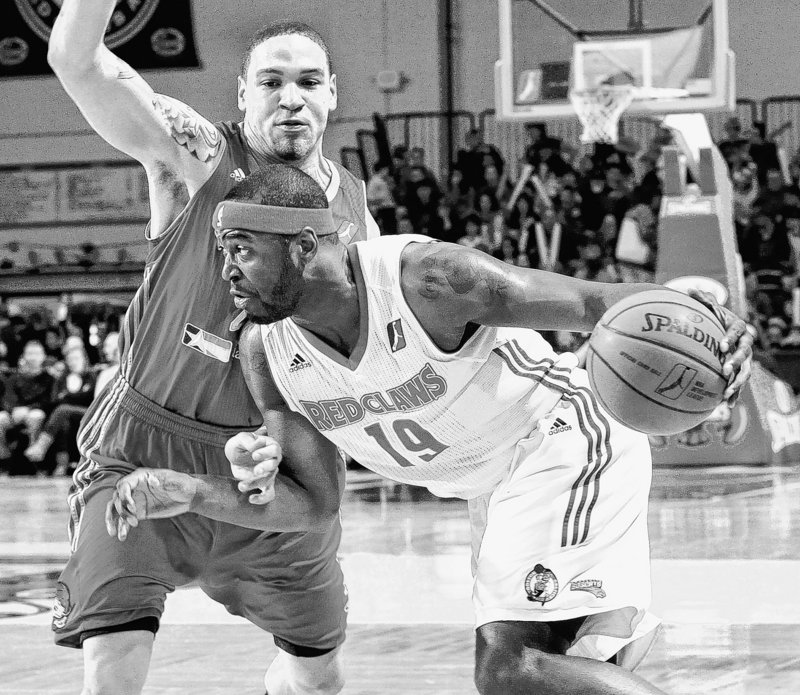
x=146 y=34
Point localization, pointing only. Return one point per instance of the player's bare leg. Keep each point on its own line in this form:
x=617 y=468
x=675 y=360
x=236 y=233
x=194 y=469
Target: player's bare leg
x=299 y=675
x=116 y=663
x=523 y=657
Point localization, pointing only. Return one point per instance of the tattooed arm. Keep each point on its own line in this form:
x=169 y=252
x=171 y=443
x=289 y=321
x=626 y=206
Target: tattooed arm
x=449 y=287
x=177 y=146
x=308 y=486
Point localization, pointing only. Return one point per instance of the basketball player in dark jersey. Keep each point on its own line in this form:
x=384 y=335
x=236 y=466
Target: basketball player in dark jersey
x=180 y=393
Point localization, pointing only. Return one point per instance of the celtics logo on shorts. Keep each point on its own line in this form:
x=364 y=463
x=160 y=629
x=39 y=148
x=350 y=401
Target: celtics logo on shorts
x=541 y=584
x=128 y=19
x=62 y=606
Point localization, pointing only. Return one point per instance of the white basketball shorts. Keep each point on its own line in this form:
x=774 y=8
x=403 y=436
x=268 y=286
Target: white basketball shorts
x=564 y=535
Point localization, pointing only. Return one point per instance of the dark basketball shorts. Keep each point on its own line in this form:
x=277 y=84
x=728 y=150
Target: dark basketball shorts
x=289 y=584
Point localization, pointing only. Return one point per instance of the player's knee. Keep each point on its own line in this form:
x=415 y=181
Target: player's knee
x=116 y=663
x=500 y=671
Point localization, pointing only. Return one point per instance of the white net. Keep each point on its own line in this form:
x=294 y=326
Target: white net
x=600 y=109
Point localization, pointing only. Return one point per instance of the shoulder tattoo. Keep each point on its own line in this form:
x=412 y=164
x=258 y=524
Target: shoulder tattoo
x=188 y=128
x=251 y=349
x=450 y=271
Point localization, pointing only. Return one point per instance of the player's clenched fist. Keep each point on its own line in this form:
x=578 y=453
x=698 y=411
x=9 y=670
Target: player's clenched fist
x=148 y=493
x=254 y=459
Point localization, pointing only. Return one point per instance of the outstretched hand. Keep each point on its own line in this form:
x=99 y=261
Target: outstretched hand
x=254 y=459
x=737 y=344
x=148 y=493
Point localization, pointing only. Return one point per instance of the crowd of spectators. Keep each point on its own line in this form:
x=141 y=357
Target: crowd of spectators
x=595 y=215
x=50 y=370
x=592 y=216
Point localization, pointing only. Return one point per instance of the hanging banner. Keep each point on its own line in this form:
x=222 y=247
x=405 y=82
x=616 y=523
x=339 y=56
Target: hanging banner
x=146 y=34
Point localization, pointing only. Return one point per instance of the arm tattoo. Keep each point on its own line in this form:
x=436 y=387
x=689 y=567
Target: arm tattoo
x=252 y=350
x=188 y=128
x=445 y=271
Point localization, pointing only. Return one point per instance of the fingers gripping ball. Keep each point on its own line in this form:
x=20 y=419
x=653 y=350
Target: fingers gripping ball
x=655 y=364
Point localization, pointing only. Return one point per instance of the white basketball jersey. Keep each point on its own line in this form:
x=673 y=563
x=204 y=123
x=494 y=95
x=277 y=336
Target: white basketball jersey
x=449 y=421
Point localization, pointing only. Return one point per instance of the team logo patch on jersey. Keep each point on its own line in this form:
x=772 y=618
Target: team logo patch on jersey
x=62 y=606
x=541 y=584
x=298 y=362
x=207 y=343
x=559 y=426
x=397 y=339
x=593 y=586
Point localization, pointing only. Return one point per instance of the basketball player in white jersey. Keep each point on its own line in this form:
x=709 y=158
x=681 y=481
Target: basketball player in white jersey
x=419 y=360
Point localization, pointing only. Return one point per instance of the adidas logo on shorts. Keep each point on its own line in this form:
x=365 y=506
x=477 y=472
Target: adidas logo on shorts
x=559 y=426
x=299 y=362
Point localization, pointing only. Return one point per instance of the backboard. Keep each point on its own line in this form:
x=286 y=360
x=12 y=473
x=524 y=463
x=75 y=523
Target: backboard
x=674 y=52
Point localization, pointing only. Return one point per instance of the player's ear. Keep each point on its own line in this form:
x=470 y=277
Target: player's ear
x=306 y=244
x=241 y=87
x=334 y=93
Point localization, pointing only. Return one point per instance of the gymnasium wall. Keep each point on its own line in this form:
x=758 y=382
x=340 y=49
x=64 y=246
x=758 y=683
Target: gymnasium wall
x=365 y=37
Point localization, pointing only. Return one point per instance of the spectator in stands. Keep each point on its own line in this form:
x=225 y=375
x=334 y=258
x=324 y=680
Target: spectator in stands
x=474 y=234
x=594 y=203
x=636 y=246
x=417 y=170
x=380 y=199
x=551 y=248
x=458 y=201
x=508 y=251
x=497 y=183
x=488 y=209
x=765 y=245
x=472 y=160
x=569 y=211
x=763 y=152
x=745 y=192
x=73 y=393
x=536 y=134
x=28 y=399
x=108 y=369
x=733 y=143
x=773 y=196
x=422 y=202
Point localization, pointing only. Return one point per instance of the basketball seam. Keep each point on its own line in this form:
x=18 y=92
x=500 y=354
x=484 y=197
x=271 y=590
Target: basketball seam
x=644 y=395
x=671 y=348
x=661 y=301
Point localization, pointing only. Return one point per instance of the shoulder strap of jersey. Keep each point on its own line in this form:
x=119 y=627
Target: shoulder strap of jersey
x=352 y=189
x=232 y=132
x=379 y=258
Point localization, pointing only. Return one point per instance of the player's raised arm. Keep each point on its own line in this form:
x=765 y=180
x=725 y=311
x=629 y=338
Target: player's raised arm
x=156 y=130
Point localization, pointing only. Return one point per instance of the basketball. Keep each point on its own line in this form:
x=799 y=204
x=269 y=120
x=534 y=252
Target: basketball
x=654 y=362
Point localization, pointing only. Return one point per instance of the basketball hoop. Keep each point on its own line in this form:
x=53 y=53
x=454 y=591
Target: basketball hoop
x=600 y=109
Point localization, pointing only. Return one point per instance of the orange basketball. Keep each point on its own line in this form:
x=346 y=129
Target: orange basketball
x=655 y=364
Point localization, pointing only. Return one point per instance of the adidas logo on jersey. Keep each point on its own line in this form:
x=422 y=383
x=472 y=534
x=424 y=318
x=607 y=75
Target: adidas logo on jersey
x=237 y=175
x=559 y=426
x=299 y=362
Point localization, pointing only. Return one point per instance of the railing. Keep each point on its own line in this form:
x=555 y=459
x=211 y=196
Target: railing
x=427 y=129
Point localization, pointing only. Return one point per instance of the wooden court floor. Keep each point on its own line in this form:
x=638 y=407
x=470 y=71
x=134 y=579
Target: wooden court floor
x=726 y=581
